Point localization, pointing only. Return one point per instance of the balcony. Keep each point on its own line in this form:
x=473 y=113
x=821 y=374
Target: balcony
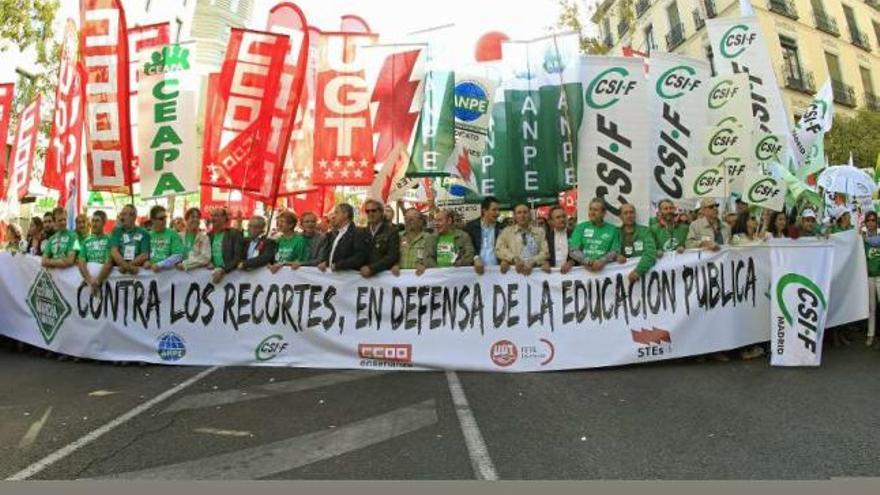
x=825 y=22
x=801 y=80
x=711 y=10
x=675 y=37
x=843 y=94
x=860 y=40
x=783 y=7
x=872 y=103
x=622 y=28
x=699 y=22
x=642 y=6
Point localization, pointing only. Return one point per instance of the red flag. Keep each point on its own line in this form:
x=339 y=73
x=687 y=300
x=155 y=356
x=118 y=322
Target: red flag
x=104 y=45
x=343 y=131
x=6 y=91
x=24 y=147
x=141 y=39
x=320 y=202
x=239 y=205
x=285 y=18
x=568 y=200
x=243 y=110
x=65 y=141
x=393 y=94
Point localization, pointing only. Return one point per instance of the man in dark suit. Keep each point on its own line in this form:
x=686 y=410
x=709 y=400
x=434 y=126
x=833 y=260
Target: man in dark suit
x=384 y=240
x=259 y=250
x=227 y=245
x=484 y=231
x=346 y=246
x=557 y=239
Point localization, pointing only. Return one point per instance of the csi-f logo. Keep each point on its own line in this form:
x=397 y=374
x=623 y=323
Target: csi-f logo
x=814 y=113
x=724 y=138
x=677 y=81
x=707 y=181
x=810 y=303
x=763 y=190
x=471 y=101
x=607 y=88
x=768 y=148
x=720 y=94
x=736 y=39
x=270 y=348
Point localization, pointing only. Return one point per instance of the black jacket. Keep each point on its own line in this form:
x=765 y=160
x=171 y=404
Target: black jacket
x=265 y=253
x=233 y=249
x=351 y=252
x=551 y=243
x=384 y=247
x=474 y=229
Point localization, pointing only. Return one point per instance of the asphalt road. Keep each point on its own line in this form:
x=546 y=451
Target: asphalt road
x=669 y=420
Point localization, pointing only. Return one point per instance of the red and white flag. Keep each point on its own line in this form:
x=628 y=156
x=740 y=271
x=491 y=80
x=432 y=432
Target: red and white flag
x=104 y=46
x=6 y=93
x=318 y=201
x=343 y=129
x=243 y=109
x=141 y=39
x=23 y=149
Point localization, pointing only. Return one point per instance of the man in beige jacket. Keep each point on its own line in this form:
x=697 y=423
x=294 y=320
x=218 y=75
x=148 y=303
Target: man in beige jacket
x=522 y=244
x=708 y=232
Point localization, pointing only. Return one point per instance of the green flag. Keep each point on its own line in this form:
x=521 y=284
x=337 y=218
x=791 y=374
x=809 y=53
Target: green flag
x=435 y=136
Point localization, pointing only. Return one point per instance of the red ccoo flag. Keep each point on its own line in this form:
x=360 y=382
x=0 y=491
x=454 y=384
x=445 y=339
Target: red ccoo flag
x=6 y=92
x=23 y=149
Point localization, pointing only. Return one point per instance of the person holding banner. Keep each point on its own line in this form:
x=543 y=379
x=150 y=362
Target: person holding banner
x=778 y=225
x=808 y=225
x=669 y=234
x=417 y=247
x=35 y=237
x=484 y=232
x=347 y=246
x=594 y=243
x=227 y=245
x=61 y=249
x=129 y=244
x=289 y=245
x=745 y=231
x=522 y=244
x=259 y=250
x=872 y=255
x=453 y=247
x=15 y=244
x=636 y=241
x=82 y=226
x=842 y=220
x=312 y=242
x=196 y=245
x=384 y=251
x=708 y=232
x=95 y=248
x=557 y=239
x=166 y=248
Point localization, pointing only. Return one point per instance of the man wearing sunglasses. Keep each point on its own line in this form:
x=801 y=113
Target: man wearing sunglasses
x=708 y=232
x=384 y=238
x=166 y=248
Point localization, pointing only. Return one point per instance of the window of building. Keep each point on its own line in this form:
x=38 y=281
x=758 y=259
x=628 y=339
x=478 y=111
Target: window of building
x=833 y=67
x=851 y=21
x=179 y=29
x=674 y=17
x=649 y=39
x=606 y=28
x=867 y=82
x=791 y=59
x=876 y=31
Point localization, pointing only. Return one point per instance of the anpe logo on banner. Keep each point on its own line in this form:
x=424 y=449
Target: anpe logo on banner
x=607 y=88
x=171 y=347
x=503 y=353
x=768 y=148
x=47 y=305
x=763 y=190
x=653 y=342
x=387 y=355
x=722 y=93
x=707 y=181
x=270 y=348
x=471 y=101
x=678 y=78
x=809 y=299
x=736 y=39
x=724 y=138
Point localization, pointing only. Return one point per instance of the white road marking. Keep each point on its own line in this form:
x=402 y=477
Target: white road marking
x=31 y=435
x=90 y=437
x=223 y=397
x=285 y=455
x=224 y=433
x=102 y=393
x=484 y=469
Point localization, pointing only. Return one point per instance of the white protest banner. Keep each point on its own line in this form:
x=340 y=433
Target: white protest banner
x=764 y=191
x=814 y=123
x=728 y=138
x=167 y=101
x=679 y=87
x=800 y=293
x=850 y=273
x=704 y=182
x=613 y=140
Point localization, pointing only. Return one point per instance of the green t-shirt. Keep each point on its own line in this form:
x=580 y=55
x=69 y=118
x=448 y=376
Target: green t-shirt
x=293 y=248
x=872 y=254
x=131 y=243
x=217 y=249
x=595 y=241
x=164 y=245
x=639 y=245
x=669 y=239
x=189 y=240
x=61 y=244
x=446 y=254
x=835 y=228
x=95 y=249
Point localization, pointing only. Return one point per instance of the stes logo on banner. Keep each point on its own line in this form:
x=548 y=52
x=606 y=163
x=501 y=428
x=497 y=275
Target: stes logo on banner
x=736 y=40
x=653 y=342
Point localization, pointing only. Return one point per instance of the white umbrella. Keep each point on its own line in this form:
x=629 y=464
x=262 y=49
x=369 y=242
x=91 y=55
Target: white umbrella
x=847 y=179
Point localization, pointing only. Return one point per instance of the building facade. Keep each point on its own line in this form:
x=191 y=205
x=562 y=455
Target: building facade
x=809 y=41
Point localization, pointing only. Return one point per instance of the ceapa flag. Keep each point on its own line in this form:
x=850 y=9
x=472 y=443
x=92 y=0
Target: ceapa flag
x=614 y=140
x=728 y=142
x=434 y=144
x=167 y=99
x=140 y=40
x=65 y=140
x=764 y=191
x=679 y=87
x=815 y=122
x=343 y=141
x=705 y=182
x=289 y=20
x=740 y=48
x=6 y=94
x=104 y=50
x=243 y=108
x=23 y=149
x=542 y=91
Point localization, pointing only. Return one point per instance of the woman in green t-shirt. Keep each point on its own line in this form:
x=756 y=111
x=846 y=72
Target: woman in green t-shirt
x=290 y=245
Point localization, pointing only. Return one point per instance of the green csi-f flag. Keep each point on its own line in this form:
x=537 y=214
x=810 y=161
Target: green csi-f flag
x=435 y=136
x=543 y=112
x=814 y=160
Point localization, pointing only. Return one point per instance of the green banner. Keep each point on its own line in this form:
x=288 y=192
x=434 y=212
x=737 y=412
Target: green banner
x=435 y=136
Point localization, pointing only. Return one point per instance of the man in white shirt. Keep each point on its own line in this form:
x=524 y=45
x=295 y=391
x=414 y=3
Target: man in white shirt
x=557 y=239
x=347 y=246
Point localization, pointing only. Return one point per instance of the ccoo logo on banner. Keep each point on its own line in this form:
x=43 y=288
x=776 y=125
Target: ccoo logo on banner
x=801 y=281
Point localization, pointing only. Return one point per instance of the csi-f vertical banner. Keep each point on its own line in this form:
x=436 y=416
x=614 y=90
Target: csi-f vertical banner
x=542 y=93
x=764 y=191
x=23 y=149
x=815 y=122
x=613 y=145
x=104 y=47
x=63 y=154
x=800 y=294
x=247 y=86
x=740 y=48
x=141 y=39
x=728 y=135
x=679 y=87
x=6 y=93
x=167 y=92
x=343 y=147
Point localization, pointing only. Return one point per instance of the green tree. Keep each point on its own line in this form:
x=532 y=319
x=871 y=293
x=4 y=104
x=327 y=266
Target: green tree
x=570 y=19
x=857 y=135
